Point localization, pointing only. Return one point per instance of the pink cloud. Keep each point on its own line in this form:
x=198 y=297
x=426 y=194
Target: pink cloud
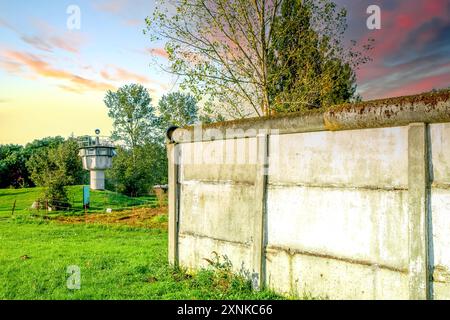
x=69 y=43
x=119 y=74
x=422 y=85
x=48 y=38
x=159 y=52
x=403 y=44
x=41 y=68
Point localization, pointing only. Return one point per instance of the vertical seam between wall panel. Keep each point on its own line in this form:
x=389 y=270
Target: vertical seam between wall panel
x=418 y=181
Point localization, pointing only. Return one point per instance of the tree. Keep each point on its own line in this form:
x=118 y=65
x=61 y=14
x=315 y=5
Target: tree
x=59 y=162
x=13 y=159
x=54 y=167
x=133 y=116
x=223 y=49
x=37 y=144
x=13 y=171
x=178 y=109
x=135 y=177
x=308 y=69
x=55 y=192
x=141 y=161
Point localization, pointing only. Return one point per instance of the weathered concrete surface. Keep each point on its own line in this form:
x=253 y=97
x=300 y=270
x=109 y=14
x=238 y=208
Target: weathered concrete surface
x=347 y=214
x=440 y=209
x=366 y=225
x=259 y=218
x=195 y=249
x=302 y=273
x=233 y=160
x=440 y=153
x=235 y=151
x=173 y=197
x=440 y=242
x=374 y=158
x=441 y=283
x=223 y=211
x=251 y=127
x=432 y=107
x=418 y=211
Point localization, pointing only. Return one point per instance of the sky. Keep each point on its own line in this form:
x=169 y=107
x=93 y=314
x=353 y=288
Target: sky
x=53 y=79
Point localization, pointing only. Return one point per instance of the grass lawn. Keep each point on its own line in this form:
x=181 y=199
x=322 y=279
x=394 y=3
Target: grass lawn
x=100 y=200
x=116 y=261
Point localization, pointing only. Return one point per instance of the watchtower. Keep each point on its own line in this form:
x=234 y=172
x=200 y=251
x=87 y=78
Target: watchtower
x=96 y=153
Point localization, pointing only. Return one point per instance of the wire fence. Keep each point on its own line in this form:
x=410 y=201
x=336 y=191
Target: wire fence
x=100 y=202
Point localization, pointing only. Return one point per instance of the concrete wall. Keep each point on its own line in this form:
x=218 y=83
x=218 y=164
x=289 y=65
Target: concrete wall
x=439 y=208
x=216 y=204
x=337 y=214
x=358 y=213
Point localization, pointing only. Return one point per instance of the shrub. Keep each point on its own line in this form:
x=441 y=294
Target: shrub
x=56 y=195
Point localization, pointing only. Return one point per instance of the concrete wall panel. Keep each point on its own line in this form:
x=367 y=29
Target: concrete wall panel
x=194 y=250
x=441 y=291
x=440 y=245
x=239 y=173
x=371 y=157
x=369 y=225
x=440 y=150
x=223 y=211
x=222 y=160
x=322 y=277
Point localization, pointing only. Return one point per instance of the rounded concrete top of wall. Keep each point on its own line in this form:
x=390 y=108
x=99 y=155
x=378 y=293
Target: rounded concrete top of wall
x=430 y=107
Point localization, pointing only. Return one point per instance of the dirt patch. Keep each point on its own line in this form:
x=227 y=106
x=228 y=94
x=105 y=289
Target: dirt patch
x=155 y=218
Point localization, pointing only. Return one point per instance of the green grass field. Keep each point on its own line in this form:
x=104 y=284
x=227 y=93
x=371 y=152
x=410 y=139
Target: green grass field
x=100 y=200
x=115 y=262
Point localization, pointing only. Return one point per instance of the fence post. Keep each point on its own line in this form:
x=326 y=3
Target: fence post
x=258 y=273
x=173 y=162
x=14 y=207
x=418 y=177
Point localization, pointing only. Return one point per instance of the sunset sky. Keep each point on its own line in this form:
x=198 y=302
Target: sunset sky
x=53 y=80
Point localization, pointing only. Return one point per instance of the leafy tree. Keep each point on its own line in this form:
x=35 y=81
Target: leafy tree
x=135 y=177
x=50 y=142
x=55 y=193
x=178 y=109
x=140 y=162
x=60 y=162
x=308 y=69
x=134 y=118
x=13 y=159
x=225 y=51
x=54 y=167
x=13 y=171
